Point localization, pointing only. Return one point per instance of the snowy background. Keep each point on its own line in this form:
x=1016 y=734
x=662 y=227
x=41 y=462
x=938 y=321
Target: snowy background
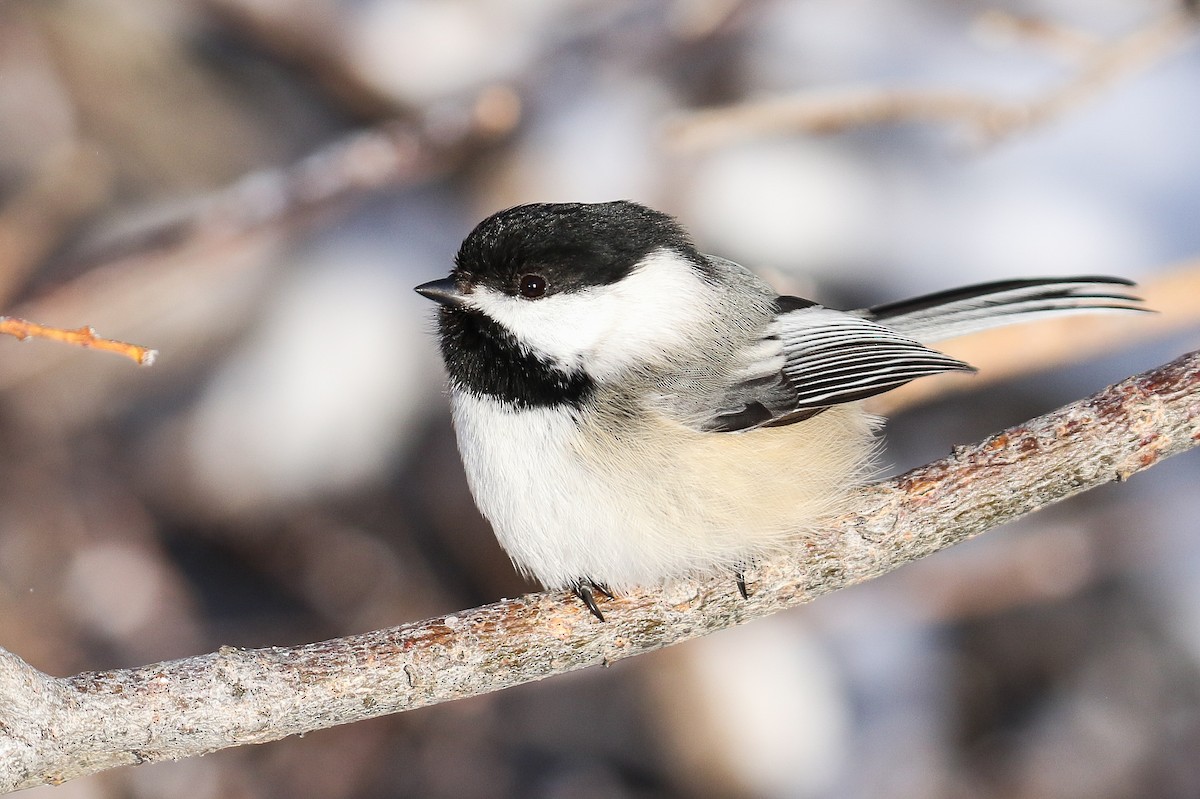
x=254 y=186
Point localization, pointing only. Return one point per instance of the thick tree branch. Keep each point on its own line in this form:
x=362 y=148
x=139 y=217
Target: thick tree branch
x=53 y=729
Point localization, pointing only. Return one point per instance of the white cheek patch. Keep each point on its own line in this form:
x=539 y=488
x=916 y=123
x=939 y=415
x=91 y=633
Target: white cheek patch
x=607 y=329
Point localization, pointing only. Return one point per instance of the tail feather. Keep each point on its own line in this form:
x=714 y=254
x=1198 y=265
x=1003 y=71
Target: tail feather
x=946 y=314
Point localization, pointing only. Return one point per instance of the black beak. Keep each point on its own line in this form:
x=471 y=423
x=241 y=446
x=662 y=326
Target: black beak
x=444 y=291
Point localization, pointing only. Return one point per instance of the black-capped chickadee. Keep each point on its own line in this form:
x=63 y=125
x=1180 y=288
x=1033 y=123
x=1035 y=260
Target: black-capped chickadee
x=629 y=409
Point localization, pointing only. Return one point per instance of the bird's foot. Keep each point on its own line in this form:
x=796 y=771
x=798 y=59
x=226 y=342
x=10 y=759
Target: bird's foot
x=586 y=590
x=739 y=577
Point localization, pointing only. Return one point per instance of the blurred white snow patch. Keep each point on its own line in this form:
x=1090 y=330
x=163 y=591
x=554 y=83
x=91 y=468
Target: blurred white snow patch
x=322 y=393
x=794 y=205
x=780 y=711
x=425 y=50
x=1029 y=227
x=598 y=146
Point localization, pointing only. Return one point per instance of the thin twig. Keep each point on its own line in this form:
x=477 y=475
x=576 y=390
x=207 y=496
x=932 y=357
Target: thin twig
x=23 y=329
x=54 y=729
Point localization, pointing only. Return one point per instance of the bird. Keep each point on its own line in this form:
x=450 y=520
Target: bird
x=630 y=410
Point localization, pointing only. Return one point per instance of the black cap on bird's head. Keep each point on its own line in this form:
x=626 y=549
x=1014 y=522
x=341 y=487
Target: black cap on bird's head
x=548 y=248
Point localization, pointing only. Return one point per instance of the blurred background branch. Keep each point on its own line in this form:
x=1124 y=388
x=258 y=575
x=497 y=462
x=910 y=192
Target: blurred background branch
x=989 y=119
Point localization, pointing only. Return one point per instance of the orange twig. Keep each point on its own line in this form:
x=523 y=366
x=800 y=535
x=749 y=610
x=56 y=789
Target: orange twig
x=80 y=337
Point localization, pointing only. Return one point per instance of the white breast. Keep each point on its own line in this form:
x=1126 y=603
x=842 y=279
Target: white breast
x=526 y=482
x=633 y=502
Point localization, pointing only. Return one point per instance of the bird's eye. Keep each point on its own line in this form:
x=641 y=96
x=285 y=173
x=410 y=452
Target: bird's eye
x=532 y=286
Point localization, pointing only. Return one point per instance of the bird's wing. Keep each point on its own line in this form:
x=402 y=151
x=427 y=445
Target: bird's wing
x=814 y=357
x=833 y=357
x=824 y=357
